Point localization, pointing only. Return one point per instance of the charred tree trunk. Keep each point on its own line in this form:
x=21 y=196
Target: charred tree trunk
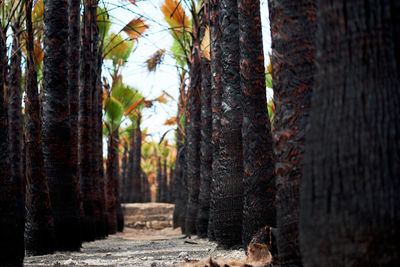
x=16 y=132
x=164 y=175
x=216 y=92
x=129 y=190
x=293 y=51
x=137 y=183
x=73 y=85
x=350 y=194
x=171 y=196
x=85 y=126
x=258 y=162
x=39 y=232
x=178 y=181
x=57 y=128
x=193 y=125
x=12 y=250
x=112 y=157
x=229 y=183
x=159 y=181
x=205 y=150
x=118 y=207
x=124 y=172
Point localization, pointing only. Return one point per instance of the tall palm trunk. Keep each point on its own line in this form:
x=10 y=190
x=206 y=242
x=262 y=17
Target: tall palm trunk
x=164 y=175
x=205 y=150
x=12 y=249
x=350 y=194
x=112 y=157
x=179 y=209
x=57 y=128
x=15 y=130
x=229 y=184
x=137 y=185
x=159 y=181
x=293 y=51
x=216 y=93
x=39 y=233
x=124 y=172
x=118 y=207
x=258 y=162
x=193 y=136
x=73 y=84
x=129 y=190
x=85 y=125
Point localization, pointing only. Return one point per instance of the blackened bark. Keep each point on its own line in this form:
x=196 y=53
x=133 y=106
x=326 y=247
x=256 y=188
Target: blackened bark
x=216 y=93
x=130 y=181
x=164 y=175
x=39 y=232
x=205 y=150
x=258 y=162
x=15 y=131
x=193 y=125
x=159 y=181
x=293 y=51
x=350 y=191
x=73 y=87
x=57 y=128
x=85 y=125
x=111 y=201
x=124 y=172
x=118 y=207
x=12 y=251
x=178 y=180
x=171 y=195
x=229 y=182
x=137 y=183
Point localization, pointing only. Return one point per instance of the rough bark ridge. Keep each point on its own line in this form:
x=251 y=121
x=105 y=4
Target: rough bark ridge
x=15 y=131
x=193 y=136
x=258 y=162
x=350 y=193
x=205 y=150
x=39 y=232
x=12 y=250
x=73 y=88
x=293 y=51
x=85 y=124
x=216 y=92
x=129 y=193
x=112 y=156
x=228 y=183
x=137 y=185
x=57 y=128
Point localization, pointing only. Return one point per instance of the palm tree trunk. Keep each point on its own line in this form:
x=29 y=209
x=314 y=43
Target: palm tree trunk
x=293 y=50
x=129 y=190
x=85 y=126
x=164 y=175
x=216 y=92
x=258 y=160
x=137 y=185
x=39 y=232
x=193 y=136
x=159 y=181
x=229 y=184
x=73 y=84
x=15 y=130
x=118 y=207
x=57 y=128
x=205 y=150
x=112 y=157
x=124 y=167
x=350 y=194
x=12 y=250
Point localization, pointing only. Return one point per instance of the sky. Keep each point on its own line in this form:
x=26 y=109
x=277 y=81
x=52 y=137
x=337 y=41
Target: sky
x=135 y=73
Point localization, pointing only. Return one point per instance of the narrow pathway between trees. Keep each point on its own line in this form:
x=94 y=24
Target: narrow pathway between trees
x=149 y=246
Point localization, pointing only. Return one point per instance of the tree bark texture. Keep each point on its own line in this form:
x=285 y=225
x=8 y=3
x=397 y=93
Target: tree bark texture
x=164 y=175
x=179 y=209
x=57 y=128
x=193 y=126
x=293 y=51
x=111 y=183
x=15 y=131
x=159 y=181
x=12 y=250
x=137 y=185
x=205 y=150
x=129 y=191
x=258 y=162
x=229 y=183
x=39 y=228
x=73 y=85
x=216 y=93
x=350 y=191
x=124 y=172
x=85 y=170
x=116 y=169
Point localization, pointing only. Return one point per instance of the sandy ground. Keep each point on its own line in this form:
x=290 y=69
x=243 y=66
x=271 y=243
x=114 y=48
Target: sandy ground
x=137 y=247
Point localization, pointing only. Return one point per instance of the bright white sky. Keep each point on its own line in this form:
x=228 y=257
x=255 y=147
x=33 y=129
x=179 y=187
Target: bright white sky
x=165 y=78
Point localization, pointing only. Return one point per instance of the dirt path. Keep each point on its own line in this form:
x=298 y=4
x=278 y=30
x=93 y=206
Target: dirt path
x=139 y=247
